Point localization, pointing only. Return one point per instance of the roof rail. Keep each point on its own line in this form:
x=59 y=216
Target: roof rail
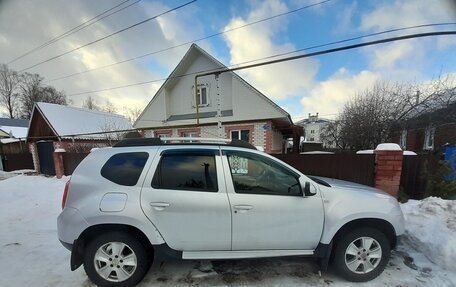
x=193 y=139
x=132 y=142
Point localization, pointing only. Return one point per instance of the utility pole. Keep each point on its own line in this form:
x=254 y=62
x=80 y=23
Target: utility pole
x=219 y=108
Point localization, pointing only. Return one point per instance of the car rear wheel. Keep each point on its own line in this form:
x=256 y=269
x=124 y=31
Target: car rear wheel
x=116 y=259
x=362 y=254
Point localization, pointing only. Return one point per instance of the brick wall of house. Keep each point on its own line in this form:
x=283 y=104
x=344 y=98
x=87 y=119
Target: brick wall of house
x=261 y=133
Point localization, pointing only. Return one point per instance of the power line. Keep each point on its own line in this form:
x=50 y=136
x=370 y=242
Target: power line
x=108 y=36
x=242 y=26
x=76 y=29
x=193 y=41
x=217 y=71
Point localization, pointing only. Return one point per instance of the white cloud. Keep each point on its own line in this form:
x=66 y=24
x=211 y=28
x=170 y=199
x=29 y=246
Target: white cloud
x=43 y=20
x=404 y=61
x=278 y=81
x=327 y=97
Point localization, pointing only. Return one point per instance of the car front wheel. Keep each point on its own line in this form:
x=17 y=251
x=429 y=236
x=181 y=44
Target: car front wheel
x=362 y=254
x=116 y=259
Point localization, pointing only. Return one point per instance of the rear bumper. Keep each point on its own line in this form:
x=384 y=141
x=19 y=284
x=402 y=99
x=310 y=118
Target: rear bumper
x=68 y=246
x=70 y=224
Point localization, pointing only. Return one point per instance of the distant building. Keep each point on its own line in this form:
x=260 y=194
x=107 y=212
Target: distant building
x=314 y=128
x=12 y=136
x=13 y=128
x=427 y=132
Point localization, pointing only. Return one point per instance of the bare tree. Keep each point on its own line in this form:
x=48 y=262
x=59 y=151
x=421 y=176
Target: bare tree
x=9 y=83
x=369 y=117
x=32 y=91
x=132 y=113
x=109 y=107
x=89 y=103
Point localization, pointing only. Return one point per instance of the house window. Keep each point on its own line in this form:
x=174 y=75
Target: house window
x=189 y=134
x=241 y=135
x=429 y=138
x=202 y=94
x=312 y=139
x=312 y=131
x=403 y=140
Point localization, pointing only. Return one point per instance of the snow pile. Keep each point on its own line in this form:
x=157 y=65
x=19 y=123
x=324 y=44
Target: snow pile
x=388 y=146
x=431 y=229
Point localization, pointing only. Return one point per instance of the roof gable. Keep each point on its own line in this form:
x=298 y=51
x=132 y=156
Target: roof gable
x=181 y=70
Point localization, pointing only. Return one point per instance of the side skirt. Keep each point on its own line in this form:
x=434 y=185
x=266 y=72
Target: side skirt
x=244 y=254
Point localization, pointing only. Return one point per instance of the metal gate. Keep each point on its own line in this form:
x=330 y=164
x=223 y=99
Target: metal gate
x=46 y=156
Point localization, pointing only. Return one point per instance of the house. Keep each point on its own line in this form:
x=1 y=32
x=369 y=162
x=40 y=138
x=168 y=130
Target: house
x=428 y=132
x=73 y=129
x=229 y=107
x=12 y=140
x=314 y=129
x=13 y=128
x=12 y=135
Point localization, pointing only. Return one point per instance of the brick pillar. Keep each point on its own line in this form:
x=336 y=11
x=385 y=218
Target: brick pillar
x=58 y=162
x=36 y=160
x=388 y=168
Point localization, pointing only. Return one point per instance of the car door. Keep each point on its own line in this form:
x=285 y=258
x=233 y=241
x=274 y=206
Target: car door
x=269 y=211
x=185 y=197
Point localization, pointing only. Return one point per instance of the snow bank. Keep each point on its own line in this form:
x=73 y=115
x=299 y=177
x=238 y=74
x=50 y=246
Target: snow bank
x=431 y=229
x=388 y=146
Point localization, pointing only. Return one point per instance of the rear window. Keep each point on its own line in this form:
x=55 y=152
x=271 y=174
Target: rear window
x=193 y=172
x=125 y=168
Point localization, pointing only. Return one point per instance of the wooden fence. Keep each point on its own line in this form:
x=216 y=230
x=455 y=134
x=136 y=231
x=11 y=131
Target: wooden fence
x=351 y=167
x=415 y=172
x=71 y=161
x=17 y=161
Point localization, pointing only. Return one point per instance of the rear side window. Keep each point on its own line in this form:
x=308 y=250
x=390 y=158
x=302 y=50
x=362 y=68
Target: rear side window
x=189 y=171
x=125 y=168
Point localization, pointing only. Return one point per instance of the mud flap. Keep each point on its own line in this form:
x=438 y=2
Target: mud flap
x=77 y=255
x=323 y=254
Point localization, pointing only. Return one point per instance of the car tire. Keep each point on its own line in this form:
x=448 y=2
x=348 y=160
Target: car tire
x=116 y=259
x=362 y=254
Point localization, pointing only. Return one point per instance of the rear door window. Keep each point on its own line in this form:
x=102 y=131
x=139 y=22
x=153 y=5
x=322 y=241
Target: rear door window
x=125 y=168
x=192 y=170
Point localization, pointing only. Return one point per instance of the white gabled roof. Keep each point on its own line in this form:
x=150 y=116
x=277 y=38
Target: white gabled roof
x=66 y=120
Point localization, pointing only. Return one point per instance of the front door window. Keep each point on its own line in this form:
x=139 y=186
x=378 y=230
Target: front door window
x=255 y=174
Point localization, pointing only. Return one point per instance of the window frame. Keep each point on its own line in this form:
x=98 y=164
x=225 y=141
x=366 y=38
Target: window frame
x=239 y=131
x=186 y=152
x=429 y=135
x=200 y=88
x=270 y=162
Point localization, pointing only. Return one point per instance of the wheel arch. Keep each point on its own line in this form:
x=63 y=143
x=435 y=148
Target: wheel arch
x=380 y=224
x=79 y=245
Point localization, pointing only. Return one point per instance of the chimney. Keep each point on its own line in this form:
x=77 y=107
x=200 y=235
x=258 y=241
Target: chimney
x=417 y=99
x=317 y=116
x=309 y=115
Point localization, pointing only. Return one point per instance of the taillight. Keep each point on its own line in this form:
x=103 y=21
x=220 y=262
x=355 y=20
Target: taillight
x=65 y=194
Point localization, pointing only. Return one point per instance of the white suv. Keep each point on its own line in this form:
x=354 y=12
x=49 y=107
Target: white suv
x=217 y=201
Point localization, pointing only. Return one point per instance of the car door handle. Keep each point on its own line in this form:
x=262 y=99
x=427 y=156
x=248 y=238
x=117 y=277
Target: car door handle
x=242 y=208
x=159 y=205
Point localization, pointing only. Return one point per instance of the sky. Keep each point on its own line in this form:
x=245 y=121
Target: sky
x=318 y=84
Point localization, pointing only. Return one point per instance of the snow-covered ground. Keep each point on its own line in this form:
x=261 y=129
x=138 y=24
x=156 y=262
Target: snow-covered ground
x=31 y=255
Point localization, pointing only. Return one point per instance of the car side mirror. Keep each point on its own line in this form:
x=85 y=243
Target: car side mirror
x=307 y=191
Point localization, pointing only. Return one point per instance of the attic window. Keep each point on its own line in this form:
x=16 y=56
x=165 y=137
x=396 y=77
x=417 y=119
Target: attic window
x=202 y=94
